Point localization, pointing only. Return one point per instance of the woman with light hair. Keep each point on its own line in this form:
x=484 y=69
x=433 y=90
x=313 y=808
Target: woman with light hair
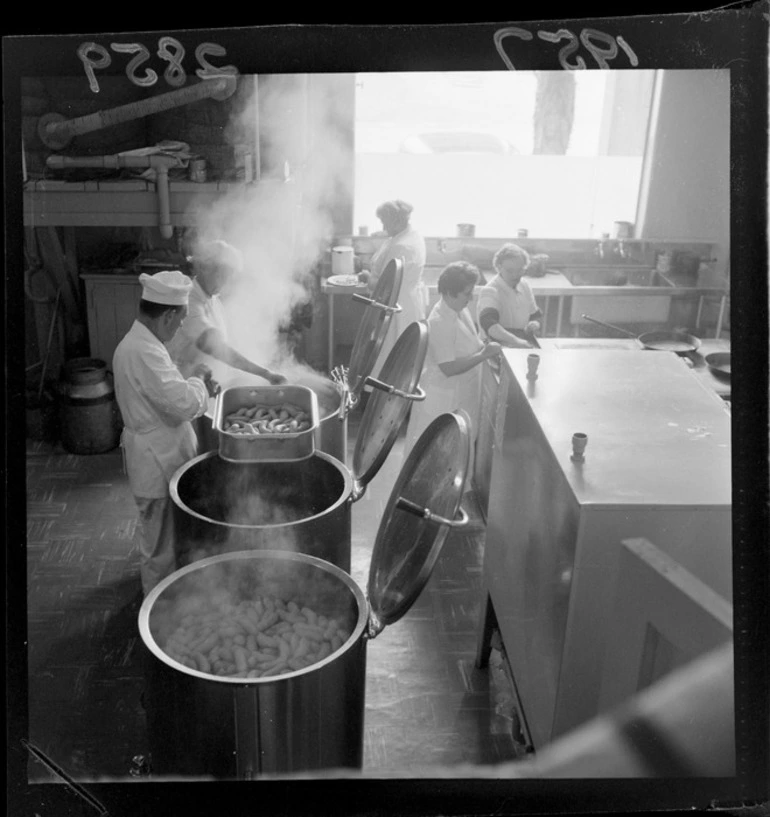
x=506 y=309
x=405 y=243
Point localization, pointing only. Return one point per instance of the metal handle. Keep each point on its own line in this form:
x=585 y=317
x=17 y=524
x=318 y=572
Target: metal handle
x=371 y=302
x=414 y=508
x=416 y=395
x=609 y=326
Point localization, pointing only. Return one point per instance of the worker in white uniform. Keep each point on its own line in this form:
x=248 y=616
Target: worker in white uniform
x=506 y=308
x=157 y=405
x=451 y=376
x=405 y=243
x=202 y=337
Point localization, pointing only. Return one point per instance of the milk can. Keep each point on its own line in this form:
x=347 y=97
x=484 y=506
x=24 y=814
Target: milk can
x=89 y=417
x=268 y=714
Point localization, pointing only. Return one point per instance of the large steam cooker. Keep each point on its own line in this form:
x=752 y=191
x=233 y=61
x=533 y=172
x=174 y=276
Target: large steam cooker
x=332 y=433
x=310 y=718
x=305 y=506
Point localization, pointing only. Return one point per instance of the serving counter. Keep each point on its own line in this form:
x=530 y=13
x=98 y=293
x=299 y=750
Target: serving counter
x=657 y=465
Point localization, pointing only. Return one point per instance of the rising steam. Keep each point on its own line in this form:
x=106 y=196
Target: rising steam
x=282 y=225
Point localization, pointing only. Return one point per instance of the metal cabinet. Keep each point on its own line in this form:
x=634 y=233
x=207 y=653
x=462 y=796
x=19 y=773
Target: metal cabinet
x=657 y=465
x=112 y=303
x=485 y=439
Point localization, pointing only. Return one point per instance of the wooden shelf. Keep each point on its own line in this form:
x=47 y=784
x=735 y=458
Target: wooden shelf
x=130 y=203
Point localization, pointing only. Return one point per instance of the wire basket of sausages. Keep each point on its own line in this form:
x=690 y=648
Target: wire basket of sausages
x=266 y=423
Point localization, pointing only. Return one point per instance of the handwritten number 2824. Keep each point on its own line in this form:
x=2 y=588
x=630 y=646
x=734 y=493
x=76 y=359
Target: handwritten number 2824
x=602 y=47
x=170 y=50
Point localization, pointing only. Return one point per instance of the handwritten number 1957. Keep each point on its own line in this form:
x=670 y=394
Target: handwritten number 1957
x=602 y=47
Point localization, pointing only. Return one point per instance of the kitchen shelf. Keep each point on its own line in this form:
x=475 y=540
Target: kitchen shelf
x=126 y=203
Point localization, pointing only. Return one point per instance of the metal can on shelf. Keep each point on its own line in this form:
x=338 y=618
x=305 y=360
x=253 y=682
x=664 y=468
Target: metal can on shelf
x=198 y=171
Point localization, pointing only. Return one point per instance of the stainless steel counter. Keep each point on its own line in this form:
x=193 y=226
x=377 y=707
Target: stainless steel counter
x=699 y=368
x=657 y=466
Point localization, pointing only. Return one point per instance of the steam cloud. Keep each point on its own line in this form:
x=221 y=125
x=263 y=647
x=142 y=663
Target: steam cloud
x=282 y=227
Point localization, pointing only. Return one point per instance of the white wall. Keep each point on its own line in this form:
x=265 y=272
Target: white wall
x=687 y=191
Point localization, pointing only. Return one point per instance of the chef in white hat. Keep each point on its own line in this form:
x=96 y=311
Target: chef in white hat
x=157 y=405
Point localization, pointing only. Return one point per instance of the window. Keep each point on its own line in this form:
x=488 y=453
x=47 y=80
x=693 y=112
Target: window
x=557 y=153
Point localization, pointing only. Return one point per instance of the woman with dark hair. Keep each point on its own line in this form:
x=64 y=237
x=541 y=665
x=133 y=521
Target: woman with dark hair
x=406 y=243
x=451 y=376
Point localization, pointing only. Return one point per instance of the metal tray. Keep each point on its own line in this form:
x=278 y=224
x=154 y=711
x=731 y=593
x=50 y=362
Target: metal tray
x=268 y=447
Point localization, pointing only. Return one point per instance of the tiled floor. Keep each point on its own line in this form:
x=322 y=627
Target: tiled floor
x=426 y=704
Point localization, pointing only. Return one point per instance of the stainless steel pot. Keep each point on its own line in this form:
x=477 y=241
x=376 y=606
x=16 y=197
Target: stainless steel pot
x=221 y=506
x=309 y=718
x=238 y=728
x=332 y=432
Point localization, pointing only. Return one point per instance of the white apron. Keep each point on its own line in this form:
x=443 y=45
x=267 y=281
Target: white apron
x=443 y=394
x=413 y=295
x=157 y=405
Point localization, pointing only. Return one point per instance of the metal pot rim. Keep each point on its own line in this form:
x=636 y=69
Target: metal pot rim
x=345 y=495
x=356 y=635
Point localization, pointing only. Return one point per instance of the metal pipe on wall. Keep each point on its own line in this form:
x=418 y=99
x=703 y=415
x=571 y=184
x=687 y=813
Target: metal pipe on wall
x=159 y=162
x=56 y=132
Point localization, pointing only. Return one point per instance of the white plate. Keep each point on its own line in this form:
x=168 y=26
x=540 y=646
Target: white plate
x=344 y=280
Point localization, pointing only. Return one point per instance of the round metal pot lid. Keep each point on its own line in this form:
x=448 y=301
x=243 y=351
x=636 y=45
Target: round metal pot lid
x=422 y=510
x=389 y=402
x=374 y=325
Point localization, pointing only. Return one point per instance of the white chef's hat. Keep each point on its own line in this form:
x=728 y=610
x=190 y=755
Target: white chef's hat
x=170 y=287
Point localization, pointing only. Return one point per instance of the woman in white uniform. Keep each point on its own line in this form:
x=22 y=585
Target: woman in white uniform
x=157 y=405
x=451 y=376
x=202 y=338
x=405 y=243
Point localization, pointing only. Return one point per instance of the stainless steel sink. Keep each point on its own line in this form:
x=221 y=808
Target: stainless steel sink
x=618 y=294
x=616 y=277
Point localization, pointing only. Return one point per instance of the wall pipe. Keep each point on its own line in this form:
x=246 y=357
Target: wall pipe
x=56 y=132
x=160 y=162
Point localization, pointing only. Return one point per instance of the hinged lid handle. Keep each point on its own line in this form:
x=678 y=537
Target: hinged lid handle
x=417 y=395
x=391 y=310
x=412 y=507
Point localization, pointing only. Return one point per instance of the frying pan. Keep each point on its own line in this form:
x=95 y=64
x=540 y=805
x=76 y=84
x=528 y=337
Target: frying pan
x=680 y=342
x=719 y=364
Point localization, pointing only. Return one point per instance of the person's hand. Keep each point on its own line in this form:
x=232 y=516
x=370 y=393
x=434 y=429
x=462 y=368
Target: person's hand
x=202 y=371
x=212 y=386
x=364 y=276
x=275 y=379
x=492 y=349
x=532 y=328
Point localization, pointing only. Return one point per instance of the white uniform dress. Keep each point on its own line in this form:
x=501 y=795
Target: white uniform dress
x=157 y=405
x=451 y=335
x=513 y=304
x=204 y=312
x=408 y=245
